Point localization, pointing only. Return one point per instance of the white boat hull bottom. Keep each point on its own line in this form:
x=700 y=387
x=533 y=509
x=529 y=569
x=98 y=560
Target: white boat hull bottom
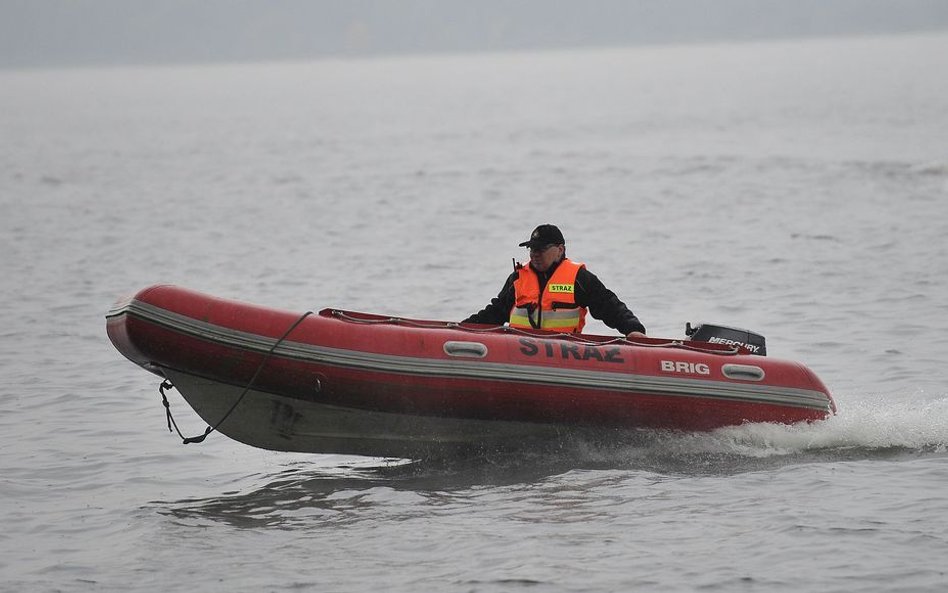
x=278 y=423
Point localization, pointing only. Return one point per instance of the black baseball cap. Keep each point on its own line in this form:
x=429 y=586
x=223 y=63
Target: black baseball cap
x=543 y=235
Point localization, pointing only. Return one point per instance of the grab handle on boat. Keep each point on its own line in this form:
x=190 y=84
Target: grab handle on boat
x=743 y=372
x=465 y=349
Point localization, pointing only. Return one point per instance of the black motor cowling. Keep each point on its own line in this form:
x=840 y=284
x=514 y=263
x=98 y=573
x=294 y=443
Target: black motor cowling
x=719 y=334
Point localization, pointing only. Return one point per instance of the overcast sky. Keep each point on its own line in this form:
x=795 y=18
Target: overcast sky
x=81 y=32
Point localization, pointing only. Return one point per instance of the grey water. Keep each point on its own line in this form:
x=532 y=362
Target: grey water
x=797 y=188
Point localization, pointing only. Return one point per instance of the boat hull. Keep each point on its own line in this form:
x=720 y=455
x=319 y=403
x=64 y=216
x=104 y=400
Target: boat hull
x=279 y=423
x=342 y=382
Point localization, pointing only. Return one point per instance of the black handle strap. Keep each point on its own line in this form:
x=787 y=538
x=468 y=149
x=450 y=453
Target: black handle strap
x=166 y=384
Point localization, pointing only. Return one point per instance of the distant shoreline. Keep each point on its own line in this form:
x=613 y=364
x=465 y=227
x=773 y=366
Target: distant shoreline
x=117 y=62
x=78 y=33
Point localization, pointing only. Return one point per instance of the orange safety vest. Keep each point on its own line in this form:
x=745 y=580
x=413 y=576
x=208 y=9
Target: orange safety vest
x=556 y=308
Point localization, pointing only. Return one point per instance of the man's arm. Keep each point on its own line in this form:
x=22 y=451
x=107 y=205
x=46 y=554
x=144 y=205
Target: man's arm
x=604 y=305
x=497 y=312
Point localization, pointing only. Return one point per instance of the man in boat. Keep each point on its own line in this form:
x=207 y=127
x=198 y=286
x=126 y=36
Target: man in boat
x=552 y=292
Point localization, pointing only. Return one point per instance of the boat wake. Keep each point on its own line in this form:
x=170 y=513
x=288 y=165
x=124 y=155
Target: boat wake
x=870 y=427
x=880 y=427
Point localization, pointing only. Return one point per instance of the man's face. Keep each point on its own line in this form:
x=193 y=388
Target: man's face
x=541 y=258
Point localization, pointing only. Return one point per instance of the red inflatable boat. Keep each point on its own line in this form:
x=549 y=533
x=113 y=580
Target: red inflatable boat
x=344 y=382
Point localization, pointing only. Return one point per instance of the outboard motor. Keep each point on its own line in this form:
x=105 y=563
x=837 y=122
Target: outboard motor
x=719 y=334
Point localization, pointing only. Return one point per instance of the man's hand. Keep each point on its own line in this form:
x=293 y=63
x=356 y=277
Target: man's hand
x=633 y=335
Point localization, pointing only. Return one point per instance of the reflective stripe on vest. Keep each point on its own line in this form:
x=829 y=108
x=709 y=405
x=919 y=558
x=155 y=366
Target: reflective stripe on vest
x=556 y=309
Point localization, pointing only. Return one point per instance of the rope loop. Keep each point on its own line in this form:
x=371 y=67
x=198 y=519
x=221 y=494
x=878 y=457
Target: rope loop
x=167 y=384
x=682 y=344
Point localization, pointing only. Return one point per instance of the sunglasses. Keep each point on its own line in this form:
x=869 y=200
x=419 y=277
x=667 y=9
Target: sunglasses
x=541 y=249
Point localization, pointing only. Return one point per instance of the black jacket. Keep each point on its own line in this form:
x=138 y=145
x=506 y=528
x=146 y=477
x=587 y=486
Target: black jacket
x=602 y=303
